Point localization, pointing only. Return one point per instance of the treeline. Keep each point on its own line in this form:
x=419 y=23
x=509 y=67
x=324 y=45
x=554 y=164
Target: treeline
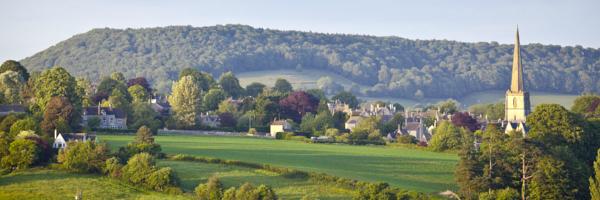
x=390 y=66
x=557 y=158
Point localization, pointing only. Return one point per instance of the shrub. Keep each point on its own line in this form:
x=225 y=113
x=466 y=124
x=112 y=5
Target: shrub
x=265 y=193
x=212 y=190
x=140 y=170
x=22 y=153
x=252 y=131
x=246 y=192
x=229 y=194
x=407 y=139
x=161 y=179
x=112 y=167
x=501 y=194
x=83 y=156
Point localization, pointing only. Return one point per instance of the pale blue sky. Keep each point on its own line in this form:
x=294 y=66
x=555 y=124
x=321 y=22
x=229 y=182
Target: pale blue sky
x=32 y=26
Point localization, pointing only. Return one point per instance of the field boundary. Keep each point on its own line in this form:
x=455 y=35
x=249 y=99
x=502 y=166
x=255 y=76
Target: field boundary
x=316 y=177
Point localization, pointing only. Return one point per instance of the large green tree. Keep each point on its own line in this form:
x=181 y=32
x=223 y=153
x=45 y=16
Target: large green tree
x=212 y=99
x=446 y=136
x=56 y=82
x=254 y=89
x=231 y=85
x=346 y=97
x=11 y=65
x=186 y=102
x=282 y=85
x=60 y=114
x=11 y=84
x=595 y=180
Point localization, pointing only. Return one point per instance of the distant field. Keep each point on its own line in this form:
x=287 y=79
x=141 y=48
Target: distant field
x=307 y=79
x=50 y=184
x=304 y=79
x=405 y=168
x=193 y=173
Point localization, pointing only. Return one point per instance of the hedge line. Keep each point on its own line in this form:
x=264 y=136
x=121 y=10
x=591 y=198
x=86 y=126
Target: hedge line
x=316 y=177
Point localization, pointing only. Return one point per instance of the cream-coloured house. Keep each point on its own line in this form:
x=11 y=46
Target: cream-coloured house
x=278 y=126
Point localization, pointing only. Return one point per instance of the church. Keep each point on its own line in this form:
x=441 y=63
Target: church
x=517 y=104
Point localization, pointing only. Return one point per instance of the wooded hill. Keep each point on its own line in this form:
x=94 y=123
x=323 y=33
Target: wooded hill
x=390 y=66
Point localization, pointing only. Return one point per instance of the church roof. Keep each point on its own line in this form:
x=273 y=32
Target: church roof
x=516 y=84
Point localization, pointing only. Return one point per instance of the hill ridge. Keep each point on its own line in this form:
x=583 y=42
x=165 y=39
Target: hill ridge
x=392 y=66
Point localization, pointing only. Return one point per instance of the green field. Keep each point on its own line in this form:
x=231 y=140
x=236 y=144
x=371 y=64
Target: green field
x=193 y=173
x=50 y=184
x=307 y=79
x=405 y=168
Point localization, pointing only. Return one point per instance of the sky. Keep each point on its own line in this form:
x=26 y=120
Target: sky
x=30 y=26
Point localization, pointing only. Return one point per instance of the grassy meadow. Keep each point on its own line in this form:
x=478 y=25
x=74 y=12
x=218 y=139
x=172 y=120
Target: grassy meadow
x=405 y=168
x=51 y=184
x=192 y=173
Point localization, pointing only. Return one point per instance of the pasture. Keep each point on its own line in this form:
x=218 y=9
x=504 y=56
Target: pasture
x=193 y=173
x=405 y=168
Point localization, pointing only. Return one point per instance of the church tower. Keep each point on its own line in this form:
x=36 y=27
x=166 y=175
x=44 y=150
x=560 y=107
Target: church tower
x=517 y=105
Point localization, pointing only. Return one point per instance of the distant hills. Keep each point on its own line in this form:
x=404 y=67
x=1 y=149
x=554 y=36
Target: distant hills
x=388 y=66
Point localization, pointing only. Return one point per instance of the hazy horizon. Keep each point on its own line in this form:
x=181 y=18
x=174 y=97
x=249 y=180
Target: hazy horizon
x=34 y=26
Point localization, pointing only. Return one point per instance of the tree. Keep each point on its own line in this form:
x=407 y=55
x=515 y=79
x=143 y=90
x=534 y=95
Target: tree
x=7 y=122
x=346 y=97
x=143 y=115
x=85 y=91
x=339 y=120
x=587 y=105
x=447 y=137
x=283 y=86
x=265 y=109
x=84 y=156
x=22 y=154
x=118 y=100
x=449 y=106
x=227 y=106
x=11 y=65
x=212 y=99
x=464 y=120
x=56 y=82
x=25 y=124
x=393 y=124
x=254 y=89
x=298 y=103
x=595 y=180
x=227 y=119
x=60 y=114
x=138 y=93
x=10 y=86
x=551 y=180
x=107 y=86
x=143 y=143
x=211 y=190
x=186 y=101
x=231 y=85
x=265 y=193
x=138 y=167
x=118 y=76
x=204 y=80
x=141 y=81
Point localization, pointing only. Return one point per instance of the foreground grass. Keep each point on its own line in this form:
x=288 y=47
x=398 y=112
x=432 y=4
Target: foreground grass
x=52 y=184
x=405 y=168
x=193 y=173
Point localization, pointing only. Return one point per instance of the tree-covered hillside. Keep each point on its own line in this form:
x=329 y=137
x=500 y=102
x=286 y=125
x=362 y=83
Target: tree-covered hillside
x=392 y=66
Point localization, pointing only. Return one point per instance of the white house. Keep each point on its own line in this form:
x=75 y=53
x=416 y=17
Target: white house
x=61 y=140
x=352 y=122
x=280 y=126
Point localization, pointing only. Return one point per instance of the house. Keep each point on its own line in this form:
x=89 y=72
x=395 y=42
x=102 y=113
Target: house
x=352 y=122
x=110 y=118
x=279 y=126
x=61 y=139
x=160 y=106
x=11 y=108
x=385 y=112
x=338 y=106
x=210 y=120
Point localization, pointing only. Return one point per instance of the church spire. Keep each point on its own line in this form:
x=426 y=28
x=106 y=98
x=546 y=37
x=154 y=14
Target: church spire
x=516 y=84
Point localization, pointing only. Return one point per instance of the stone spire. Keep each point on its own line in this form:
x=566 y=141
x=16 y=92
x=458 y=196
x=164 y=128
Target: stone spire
x=516 y=84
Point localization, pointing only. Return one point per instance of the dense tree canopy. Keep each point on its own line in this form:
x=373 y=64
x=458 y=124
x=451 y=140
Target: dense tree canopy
x=388 y=66
x=11 y=65
x=56 y=82
x=186 y=102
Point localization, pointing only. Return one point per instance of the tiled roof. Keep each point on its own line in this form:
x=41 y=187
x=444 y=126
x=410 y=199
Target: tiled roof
x=109 y=111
